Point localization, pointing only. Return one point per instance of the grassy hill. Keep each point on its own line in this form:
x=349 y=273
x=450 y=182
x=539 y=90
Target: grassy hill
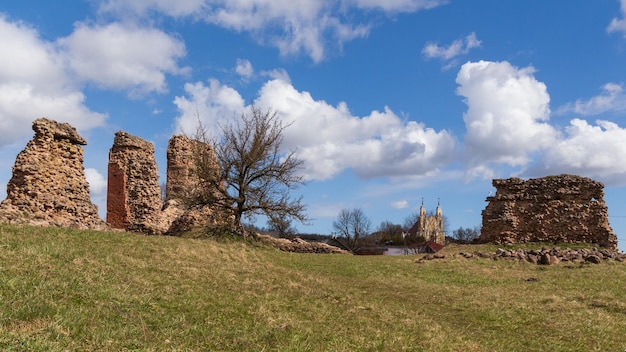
x=83 y=290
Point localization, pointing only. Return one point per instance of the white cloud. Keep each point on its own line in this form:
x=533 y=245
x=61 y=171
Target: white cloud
x=212 y=104
x=244 y=69
x=458 y=47
x=507 y=123
x=507 y=113
x=398 y=5
x=97 y=182
x=280 y=74
x=176 y=8
x=306 y=26
x=328 y=138
x=401 y=204
x=34 y=83
x=594 y=151
x=612 y=98
x=291 y=26
x=117 y=56
x=619 y=25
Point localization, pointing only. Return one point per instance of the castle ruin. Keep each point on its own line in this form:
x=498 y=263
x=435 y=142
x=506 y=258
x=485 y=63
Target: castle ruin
x=48 y=186
x=134 y=196
x=558 y=209
x=133 y=192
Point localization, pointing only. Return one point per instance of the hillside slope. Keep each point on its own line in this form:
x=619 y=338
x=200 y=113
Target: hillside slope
x=85 y=290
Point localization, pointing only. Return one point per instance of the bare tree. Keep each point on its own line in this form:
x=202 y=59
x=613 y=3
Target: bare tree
x=410 y=220
x=282 y=226
x=389 y=231
x=253 y=176
x=466 y=235
x=352 y=224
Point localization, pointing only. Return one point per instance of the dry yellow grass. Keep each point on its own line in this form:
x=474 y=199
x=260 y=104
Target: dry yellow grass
x=81 y=290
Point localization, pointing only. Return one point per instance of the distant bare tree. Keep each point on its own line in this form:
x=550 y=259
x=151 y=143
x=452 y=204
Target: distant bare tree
x=410 y=220
x=254 y=177
x=466 y=235
x=352 y=224
x=389 y=231
x=282 y=226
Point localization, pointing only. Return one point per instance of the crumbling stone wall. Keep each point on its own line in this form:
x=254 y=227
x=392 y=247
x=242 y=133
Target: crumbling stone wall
x=48 y=186
x=134 y=196
x=183 y=183
x=133 y=192
x=182 y=176
x=560 y=209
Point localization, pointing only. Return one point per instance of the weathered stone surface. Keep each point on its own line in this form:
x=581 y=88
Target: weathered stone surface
x=182 y=175
x=48 y=186
x=299 y=245
x=133 y=192
x=558 y=209
x=134 y=196
x=183 y=184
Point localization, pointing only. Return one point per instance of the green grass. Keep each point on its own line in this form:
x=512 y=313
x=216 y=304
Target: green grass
x=82 y=290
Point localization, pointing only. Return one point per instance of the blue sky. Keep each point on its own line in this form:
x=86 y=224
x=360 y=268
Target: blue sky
x=390 y=102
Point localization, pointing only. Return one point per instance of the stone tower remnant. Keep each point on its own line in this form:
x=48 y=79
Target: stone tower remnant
x=183 y=183
x=182 y=176
x=133 y=192
x=48 y=186
x=429 y=227
x=559 y=209
x=134 y=195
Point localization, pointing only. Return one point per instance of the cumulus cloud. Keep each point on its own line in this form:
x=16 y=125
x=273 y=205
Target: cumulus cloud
x=612 y=99
x=117 y=56
x=211 y=105
x=328 y=138
x=507 y=123
x=586 y=149
x=306 y=26
x=377 y=145
x=458 y=47
x=619 y=24
x=34 y=83
x=507 y=113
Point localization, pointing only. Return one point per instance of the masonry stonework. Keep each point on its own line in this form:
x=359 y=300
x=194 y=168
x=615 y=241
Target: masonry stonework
x=179 y=212
x=133 y=192
x=48 y=186
x=181 y=171
x=559 y=209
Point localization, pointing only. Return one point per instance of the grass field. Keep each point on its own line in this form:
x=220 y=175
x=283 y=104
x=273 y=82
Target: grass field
x=83 y=291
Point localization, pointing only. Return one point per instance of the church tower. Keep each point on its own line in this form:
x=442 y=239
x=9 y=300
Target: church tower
x=440 y=236
x=429 y=227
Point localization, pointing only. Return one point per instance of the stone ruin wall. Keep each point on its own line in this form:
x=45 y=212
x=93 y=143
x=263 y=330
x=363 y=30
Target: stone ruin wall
x=180 y=214
x=181 y=172
x=134 y=196
x=559 y=209
x=48 y=186
x=133 y=192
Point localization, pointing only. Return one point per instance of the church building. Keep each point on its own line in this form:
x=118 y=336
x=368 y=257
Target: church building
x=429 y=227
